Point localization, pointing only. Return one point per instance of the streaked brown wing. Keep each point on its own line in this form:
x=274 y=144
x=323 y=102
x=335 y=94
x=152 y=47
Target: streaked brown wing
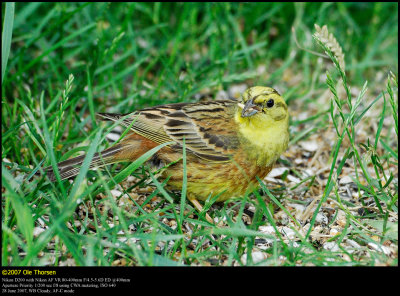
x=212 y=131
x=147 y=124
x=207 y=127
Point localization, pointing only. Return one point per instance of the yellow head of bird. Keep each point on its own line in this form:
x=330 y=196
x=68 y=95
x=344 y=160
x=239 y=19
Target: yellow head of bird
x=260 y=101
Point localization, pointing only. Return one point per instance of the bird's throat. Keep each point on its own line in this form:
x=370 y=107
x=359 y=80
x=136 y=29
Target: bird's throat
x=264 y=139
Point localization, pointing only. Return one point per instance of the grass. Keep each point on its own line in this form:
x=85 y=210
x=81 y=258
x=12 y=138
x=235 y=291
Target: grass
x=68 y=61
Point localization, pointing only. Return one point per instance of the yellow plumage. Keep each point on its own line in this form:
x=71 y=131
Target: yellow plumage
x=229 y=143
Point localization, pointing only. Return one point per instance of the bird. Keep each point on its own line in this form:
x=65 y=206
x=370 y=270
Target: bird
x=228 y=143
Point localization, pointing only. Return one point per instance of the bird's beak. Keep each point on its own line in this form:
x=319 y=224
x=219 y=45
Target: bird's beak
x=249 y=108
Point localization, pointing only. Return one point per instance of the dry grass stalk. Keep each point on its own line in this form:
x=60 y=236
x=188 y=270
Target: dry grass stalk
x=330 y=42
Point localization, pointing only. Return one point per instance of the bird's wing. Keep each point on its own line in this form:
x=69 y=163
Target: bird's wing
x=208 y=128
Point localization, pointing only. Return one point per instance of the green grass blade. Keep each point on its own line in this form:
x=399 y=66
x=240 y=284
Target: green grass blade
x=359 y=117
x=25 y=12
x=85 y=166
x=6 y=36
x=380 y=124
x=184 y=182
x=389 y=149
x=57 y=45
x=277 y=202
x=20 y=206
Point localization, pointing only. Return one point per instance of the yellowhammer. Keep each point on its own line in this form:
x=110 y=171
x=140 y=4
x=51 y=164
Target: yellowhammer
x=228 y=143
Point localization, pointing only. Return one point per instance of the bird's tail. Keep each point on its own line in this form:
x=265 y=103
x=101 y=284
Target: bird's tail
x=71 y=167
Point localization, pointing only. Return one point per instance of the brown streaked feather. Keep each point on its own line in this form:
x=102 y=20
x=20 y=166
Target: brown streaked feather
x=70 y=168
x=132 y=147
x=189 y=121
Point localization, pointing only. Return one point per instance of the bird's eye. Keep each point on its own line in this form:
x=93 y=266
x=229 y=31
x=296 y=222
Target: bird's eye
x=270 y=103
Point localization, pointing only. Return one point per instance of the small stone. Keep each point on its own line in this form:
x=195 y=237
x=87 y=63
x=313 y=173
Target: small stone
x=331 y=246
x=288 y=232
x=37 y=231
x=256 y=257
x=341 y=218
x=130 y=178
x=345 y=180
x=275 y=172
x=298 y=161
x=310 y=146
x=321 y=219
x=299 y=209
x=353 y=244
x=310 y=172
x=334 y=232
x=267 y=229
x=380 y=248
x=116 y=193
x=293 y=179
x=112 y=137
x=272 y=180
x=41 y=222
